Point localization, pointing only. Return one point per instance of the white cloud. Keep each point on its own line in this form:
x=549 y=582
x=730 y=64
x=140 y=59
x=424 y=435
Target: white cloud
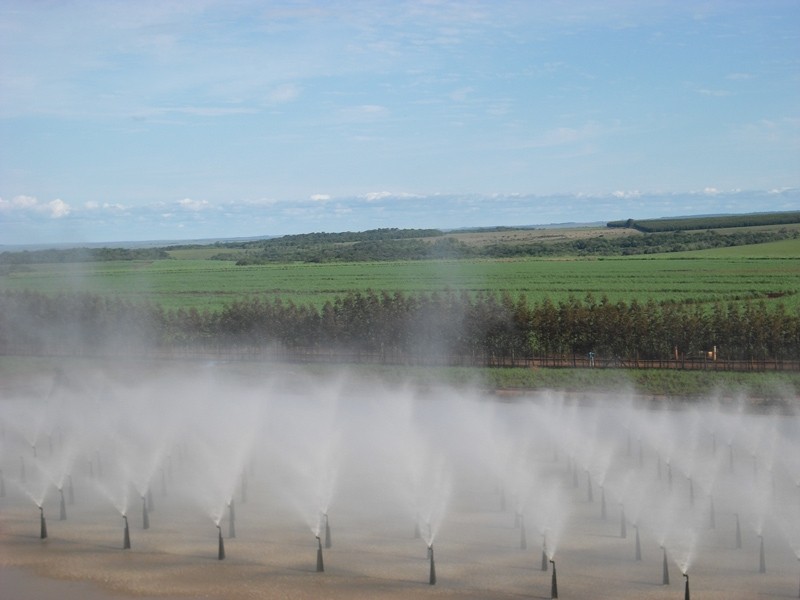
x=376 y=196
x=55 y=208
x=194 y=205
x=283 y=93
x=320 y=197
x=373 y=196
x=58 y=208
x=626 y=193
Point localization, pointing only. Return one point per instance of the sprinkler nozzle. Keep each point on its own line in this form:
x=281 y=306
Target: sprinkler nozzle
x=320 y=564
x=231 y=520
x=126 y=539
x=432 y=578
x=686 y=589
x=42 y=524
x=553 y=582
x=221 y=544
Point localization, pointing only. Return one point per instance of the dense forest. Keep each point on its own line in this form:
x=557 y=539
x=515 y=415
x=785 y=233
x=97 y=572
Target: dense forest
x=448 y=327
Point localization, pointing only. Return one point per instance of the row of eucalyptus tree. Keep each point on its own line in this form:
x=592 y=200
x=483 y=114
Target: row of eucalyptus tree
x=481 y=327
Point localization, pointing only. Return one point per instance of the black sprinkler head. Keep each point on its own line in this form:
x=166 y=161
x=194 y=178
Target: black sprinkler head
x=320 y=564
x=220 y=544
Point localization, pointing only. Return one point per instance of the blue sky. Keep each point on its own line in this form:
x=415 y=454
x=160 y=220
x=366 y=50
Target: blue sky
x=191 y=119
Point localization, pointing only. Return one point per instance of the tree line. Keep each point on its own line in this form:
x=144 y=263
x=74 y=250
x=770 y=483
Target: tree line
x=398 y=326
x=711 y=222
x=80 y=255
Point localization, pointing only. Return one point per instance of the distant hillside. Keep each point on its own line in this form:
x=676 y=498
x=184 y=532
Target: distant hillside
x=618 y=238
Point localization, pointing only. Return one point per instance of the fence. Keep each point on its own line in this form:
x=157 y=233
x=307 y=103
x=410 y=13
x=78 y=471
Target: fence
x=340 y=356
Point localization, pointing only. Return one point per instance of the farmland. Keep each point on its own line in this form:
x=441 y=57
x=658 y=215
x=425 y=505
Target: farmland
x=766 y=271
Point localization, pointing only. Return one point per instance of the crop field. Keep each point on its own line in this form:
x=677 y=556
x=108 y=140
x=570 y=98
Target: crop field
x=766 y=271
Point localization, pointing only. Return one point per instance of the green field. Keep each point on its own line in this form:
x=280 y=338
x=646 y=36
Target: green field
x=765 y=271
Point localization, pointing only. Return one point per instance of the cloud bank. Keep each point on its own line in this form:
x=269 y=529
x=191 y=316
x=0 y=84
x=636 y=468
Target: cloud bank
x=23 y=219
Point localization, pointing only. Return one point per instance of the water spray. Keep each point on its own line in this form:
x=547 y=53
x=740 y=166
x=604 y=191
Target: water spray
x=641 y=454
x=762 y=563
x=221 y=544
x=42 y=524
x=320 y=564
x=730 y=456
x=145 y=514
x=553 y=582
x=126 y=538
x=603 y=502
x=544 y=554
x=328 y=543
x=231 y=520
x=628 y=450
x=62 y=516
x=665 y=569
x=589 y=495
x=686 y=589
x=712 y=518
x=738 y=532
x=432 y=578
